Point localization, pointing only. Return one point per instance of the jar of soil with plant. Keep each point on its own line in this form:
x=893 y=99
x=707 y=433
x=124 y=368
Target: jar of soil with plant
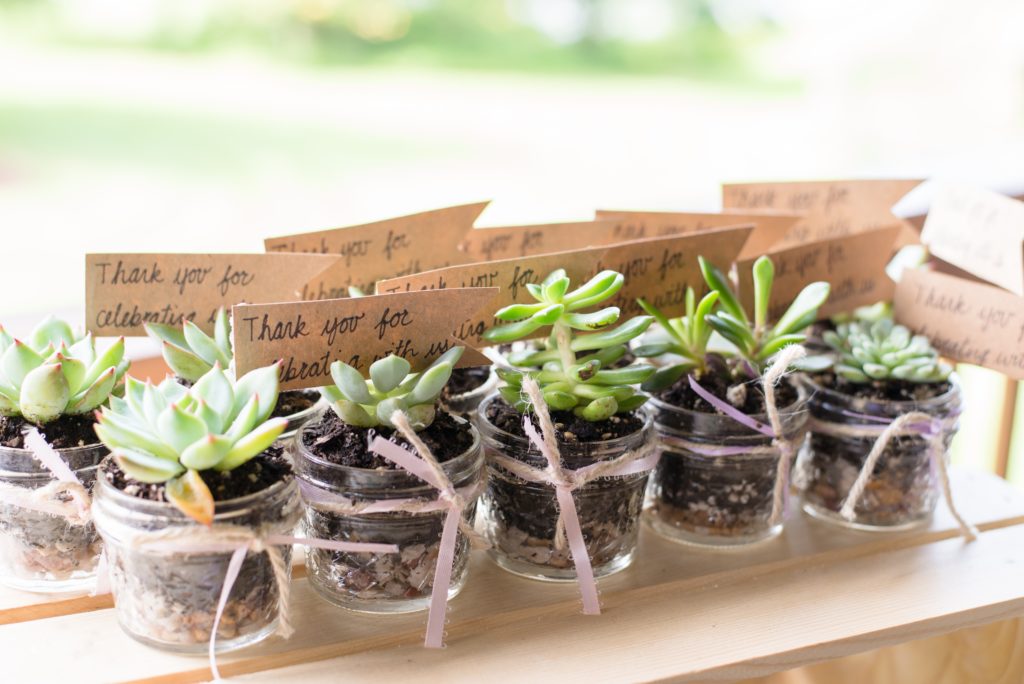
x=729 y=421
x=195 y=506
x=883 y=417
x=567 y=445
x=49 y=387
x=191 y=353
x=353 y=490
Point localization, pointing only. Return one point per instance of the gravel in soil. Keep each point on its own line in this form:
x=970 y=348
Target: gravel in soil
x=335 y=441
x=251 y=477
x=746 y=396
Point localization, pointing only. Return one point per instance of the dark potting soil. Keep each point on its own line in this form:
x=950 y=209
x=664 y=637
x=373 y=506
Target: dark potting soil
x=748 y=396
x=892 y=390
x=465 y=380
x=63 y=433
x=569 y=427
x=292 y=402
x=251 y=477
x=338 y=442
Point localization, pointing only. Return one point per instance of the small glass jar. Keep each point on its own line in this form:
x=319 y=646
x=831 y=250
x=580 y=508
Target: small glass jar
x=47 y=552
x=381 y=582
x=168 y=599
x=904 y=486
x=715 y=482
x=520 y=517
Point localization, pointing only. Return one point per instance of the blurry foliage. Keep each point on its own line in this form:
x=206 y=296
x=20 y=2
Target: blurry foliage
x=639 y=36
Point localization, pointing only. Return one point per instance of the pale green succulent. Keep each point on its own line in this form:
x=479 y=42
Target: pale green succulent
x=391 y=387
x=189 y=351
x=588 y=385
x=882 y=350
x=168 y=433
x=56 y=373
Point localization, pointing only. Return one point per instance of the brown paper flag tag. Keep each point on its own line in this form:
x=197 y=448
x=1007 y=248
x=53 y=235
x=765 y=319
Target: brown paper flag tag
x=124 y=291
x=309 y=336
x=657 y=269
x=853 y=265
x=383 y=249
x=971 y=322
x=769 y=226
x=829 y=208
x=506 y=242
x=979 y=231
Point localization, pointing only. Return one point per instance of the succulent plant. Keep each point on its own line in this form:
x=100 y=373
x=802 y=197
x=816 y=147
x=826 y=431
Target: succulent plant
x=882 y=350
x=168 y=433
x=587 y=385
x=189 y=351
x=392 y=386
x=56 y=373
x=753 y=342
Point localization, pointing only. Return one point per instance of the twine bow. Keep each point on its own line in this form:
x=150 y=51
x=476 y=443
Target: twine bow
x=66 y=496
x=912 y=423
x=774 y=429
x=565 y=481
x=239 y=542
x=427 y=468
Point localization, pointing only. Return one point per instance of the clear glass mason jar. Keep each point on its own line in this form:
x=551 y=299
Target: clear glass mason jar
x=715 y=482
x=381 y=582
x=46 y=552
x=520 y=517
x=904 y=486
x=168 y=599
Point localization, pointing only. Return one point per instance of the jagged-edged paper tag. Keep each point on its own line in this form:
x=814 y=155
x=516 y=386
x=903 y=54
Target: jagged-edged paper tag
x=656 y=269
x=830 y=209
x=382 y=249
x=125 y=291
x=853 y=265
x=309 y=336
x=967 y=321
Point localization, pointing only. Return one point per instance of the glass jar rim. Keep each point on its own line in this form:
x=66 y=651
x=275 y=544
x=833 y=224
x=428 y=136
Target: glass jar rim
x=390 y=476
x=222 y=509
x=903 y=405
x=486 y=388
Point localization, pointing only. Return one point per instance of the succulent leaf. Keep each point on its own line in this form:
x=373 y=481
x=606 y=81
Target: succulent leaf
x=880 y=350
x=44 y=394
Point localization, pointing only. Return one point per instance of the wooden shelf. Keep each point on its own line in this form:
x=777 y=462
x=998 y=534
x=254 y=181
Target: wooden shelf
x=679 y=613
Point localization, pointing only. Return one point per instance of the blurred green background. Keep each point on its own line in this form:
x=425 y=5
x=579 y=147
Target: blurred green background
x=206 y=125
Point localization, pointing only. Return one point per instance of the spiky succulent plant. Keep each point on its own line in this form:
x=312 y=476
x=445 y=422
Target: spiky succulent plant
x=392 y=386
x=168 y=433
x=588 y=385
x=189 y=351
x=754 y=340
x=56 y=373
x=881 y=350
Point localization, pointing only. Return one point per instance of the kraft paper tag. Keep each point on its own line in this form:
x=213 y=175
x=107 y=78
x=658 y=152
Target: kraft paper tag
x=124 y=291
x=505 y=242
x=769 y=226
x=309 y=336
x=967 y=321
x=853 y=265
x=979 y=231
x=383 y=249
x=830 y=209
x=657 y=269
